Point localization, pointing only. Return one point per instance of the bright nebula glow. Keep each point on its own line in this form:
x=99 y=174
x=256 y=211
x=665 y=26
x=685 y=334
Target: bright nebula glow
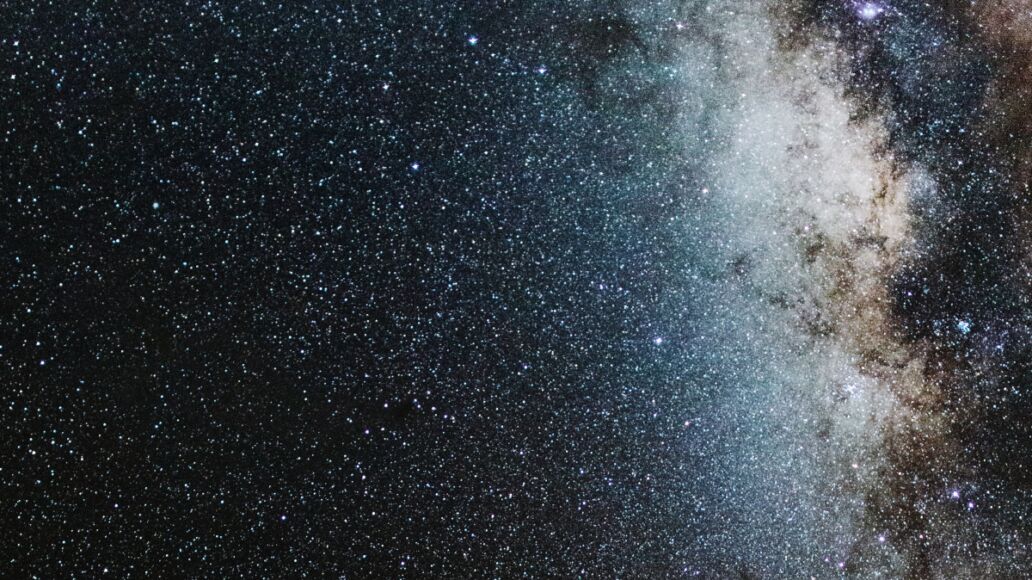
x=870 y=10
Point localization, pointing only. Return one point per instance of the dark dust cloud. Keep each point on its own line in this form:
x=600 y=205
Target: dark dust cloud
x=715 y=289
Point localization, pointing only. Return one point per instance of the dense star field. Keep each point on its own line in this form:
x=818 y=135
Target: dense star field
x=672 y=288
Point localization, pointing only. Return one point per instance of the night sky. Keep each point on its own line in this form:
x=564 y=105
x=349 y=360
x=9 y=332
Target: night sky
x=681 y=288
